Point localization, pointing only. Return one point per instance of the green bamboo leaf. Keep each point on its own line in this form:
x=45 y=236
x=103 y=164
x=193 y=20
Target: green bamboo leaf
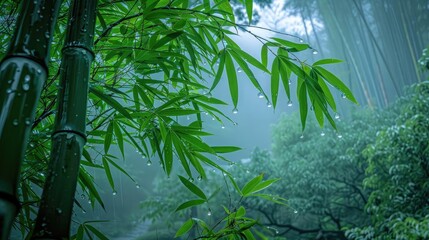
x=193 y=188
x=275 y=81
x=292 y=46
x=225 y=149
x=249 y=186
x=119 y=137
x=302 y=99
x=232 y=78
x=111 y=102
x=96 y=232
x=249 y=10
x=119 y=168
x=108 y=172
x=250 y=59
x=271 y=198
x=336 y=82
x=240 y=212
x=185 y=228
x=327 y=61
x=328 y=95
x=248 y=233
x=168 y=38
x=87 y=182
x=168 y=154
x=196 y=163
x=207 y=161
x=190 y=203
x=177 y=112
x=219 y=70
x=318 y=112
x=79 y=235
x=285 y=76
x=108 y=138
x=245 y=68
x=262 y=185
x=264 y=55
x=178 y=145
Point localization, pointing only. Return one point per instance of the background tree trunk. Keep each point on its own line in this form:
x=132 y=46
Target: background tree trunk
x=54 y=216
x=22 y=74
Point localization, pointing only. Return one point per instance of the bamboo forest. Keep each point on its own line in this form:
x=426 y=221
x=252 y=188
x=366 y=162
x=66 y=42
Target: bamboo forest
x=214 y=119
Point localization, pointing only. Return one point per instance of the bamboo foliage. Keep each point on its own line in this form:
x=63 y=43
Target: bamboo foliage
x=156 y=63
x=22 y=74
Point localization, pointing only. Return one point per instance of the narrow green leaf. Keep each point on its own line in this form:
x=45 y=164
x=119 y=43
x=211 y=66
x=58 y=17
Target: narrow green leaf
x=234 y=183
x=293 y=47
x=193 y=188
x=190 y=203
x=264 y=55
x=108 y=172
x=249 y=234
x=111 y=102
x=240 y=212
x=96 y=232
x=245 y=68
x=88 y=183
x=168 y=154
x=219 y=70
x=302 y=99
x=336 y=82
x=249 y=186
x=249 y=10
x=327 y=61
x=232 y=78
x=225 y=149
x=185 y=228
x=262 y=185
x=108 y=138
x=119 y=137
x=168 y=38
x=275 y=81
x=250 y=59
x=178 y=145
x=328 y=95
x=285 y=76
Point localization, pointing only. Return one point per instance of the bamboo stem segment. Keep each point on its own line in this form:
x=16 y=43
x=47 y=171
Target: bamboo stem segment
x=68 y=139
x=22 y=74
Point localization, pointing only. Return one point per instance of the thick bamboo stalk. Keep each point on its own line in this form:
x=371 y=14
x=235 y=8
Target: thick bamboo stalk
x=22 y=74
x=68 y=139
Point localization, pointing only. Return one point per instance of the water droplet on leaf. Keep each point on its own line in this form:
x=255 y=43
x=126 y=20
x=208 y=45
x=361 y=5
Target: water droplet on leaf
x=289 y=103
x=260 y=95
x=239 y=69
x=315 y=51
x=235 y=111
x=114 y=193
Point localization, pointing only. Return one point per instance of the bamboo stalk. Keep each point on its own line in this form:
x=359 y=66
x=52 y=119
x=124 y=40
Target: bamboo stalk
x=68 y=139
x=22 y=74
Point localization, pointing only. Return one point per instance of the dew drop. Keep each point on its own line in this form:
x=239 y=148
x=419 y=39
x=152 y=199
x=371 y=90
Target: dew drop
x=322 y=134
x=235 y=111
x=149 y=163
x=340 y=136
x=9 y=81
x=9 y=90
x=137 y=186
x=315 y=51
x=289 y=103
x=209 y=213
x=59 y=211
x=247 y=171
x=25 y=87
x=223 y=127
x=343 y=95
x=27 y=121
x=260 y=95
x=47 y=35
x=83 y=211
x=15 y=122
x=114 y=193
x=295 y=211
x=199 y=178
x=27 y=78
x=337 y=116
x=89 y=201
x=302 y=136
x=269 y=104
x=239 y=69
x=301 y=40
x=290 y=82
